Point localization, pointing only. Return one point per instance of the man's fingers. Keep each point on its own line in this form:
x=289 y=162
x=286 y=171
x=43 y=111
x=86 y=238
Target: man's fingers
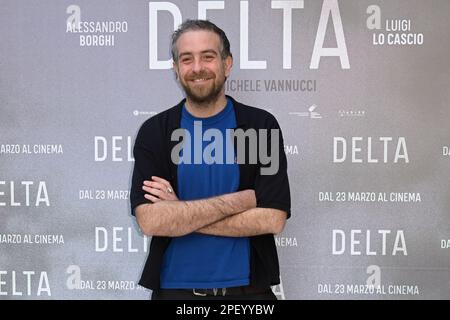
x=159 y=188
x=151 y=198
x=161 y=180
x=156 y=192
x=156 y=185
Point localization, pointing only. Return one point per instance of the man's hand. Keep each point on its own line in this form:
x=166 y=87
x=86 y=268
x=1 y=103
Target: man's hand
x=158 y=190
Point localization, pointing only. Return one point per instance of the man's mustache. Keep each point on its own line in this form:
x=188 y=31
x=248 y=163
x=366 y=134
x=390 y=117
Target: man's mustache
x=200 y=75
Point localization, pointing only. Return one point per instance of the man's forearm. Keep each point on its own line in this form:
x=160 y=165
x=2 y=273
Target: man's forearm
x=177 y=218
x=249 y=223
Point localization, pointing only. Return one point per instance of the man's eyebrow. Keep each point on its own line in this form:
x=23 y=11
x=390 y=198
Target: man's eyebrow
x=184 y=54
x=202 y=52
x=210 y=51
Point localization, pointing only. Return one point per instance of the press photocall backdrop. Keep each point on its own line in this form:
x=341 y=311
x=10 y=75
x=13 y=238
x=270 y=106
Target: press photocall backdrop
x=360 y=89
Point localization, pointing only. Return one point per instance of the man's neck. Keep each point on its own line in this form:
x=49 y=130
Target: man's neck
x=208 y=109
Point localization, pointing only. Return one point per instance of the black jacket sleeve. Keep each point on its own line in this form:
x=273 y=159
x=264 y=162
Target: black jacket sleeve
x=272 y=190
x=148 y=160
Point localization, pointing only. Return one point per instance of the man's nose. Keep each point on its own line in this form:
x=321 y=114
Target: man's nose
x=197 y=66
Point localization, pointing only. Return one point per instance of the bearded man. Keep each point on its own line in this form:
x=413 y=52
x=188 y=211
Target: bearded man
x=212 y=220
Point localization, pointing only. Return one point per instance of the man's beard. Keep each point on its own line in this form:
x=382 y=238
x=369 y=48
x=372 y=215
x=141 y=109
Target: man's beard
x=206 y=94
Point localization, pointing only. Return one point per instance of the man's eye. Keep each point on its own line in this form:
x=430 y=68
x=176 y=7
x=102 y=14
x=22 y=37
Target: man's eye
x=186 y=60
x=208 y=58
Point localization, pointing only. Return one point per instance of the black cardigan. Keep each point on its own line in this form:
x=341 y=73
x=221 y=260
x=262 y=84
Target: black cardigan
x=152 y=151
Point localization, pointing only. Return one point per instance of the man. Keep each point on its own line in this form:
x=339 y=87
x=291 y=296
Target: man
x=212 y=221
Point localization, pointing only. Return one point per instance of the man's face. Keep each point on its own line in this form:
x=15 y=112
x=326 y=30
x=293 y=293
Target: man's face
x=200 y=67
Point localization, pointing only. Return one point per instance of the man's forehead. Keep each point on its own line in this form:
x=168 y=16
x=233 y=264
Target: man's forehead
x=198 y=40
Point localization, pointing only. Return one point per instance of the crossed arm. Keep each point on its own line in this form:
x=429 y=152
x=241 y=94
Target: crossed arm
x=234 y=214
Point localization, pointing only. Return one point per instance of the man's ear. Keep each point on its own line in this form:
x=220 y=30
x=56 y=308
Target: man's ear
x=228 y=62
x=175 y=68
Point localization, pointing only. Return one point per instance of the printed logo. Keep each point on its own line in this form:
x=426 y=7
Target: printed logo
x=311 y=113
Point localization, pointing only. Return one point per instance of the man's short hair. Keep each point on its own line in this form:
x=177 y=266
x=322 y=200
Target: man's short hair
x=195 y=25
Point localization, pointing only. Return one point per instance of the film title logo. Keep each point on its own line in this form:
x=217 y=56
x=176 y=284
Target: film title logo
x=330 y=11
x=360 y=150
x=24 y=193
x=353 y=243
x=115 y=148
x=24 y=283
x=114 y=240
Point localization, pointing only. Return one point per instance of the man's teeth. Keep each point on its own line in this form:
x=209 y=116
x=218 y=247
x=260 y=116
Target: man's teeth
x=198 y=80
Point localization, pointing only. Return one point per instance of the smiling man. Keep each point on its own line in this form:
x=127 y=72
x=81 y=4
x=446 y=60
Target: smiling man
x=213 y=221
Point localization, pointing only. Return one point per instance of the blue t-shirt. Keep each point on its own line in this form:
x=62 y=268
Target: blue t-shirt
x=197 y=260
